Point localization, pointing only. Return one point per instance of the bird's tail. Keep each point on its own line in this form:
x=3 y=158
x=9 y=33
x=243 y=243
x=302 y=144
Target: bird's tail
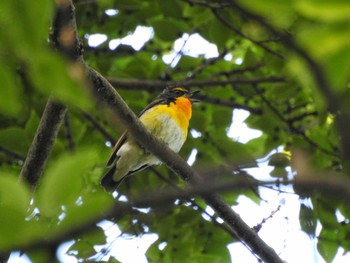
x=107 y=180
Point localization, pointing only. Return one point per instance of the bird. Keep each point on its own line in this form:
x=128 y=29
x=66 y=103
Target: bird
x=167 y=118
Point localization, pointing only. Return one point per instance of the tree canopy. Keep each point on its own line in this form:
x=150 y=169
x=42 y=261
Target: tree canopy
x=64 y=101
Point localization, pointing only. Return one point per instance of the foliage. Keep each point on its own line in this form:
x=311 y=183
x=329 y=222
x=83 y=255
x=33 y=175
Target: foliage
x=259 y=67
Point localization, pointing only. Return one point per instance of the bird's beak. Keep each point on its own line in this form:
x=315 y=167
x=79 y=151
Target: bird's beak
x=193 y=93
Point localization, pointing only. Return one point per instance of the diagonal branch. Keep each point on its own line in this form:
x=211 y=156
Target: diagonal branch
x=43 y=142
x=104 y=91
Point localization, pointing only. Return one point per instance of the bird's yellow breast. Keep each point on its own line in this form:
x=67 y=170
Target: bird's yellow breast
x=180 y=111
x=165 y=117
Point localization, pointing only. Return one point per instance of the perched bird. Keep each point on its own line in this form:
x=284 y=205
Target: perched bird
x=167 y=118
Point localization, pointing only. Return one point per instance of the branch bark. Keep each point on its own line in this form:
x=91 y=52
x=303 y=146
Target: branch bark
x=43 y=142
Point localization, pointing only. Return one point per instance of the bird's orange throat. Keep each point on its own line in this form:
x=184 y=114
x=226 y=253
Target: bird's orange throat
x=183 y=106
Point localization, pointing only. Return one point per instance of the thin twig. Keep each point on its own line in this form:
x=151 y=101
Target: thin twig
x=99 y=127
x=229 y=103
x=152 y=85
x=238 y=32
x=12 y=154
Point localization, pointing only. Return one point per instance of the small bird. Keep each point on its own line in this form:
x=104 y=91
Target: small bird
x=167 y=118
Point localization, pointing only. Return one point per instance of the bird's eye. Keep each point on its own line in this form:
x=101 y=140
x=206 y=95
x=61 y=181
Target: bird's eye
x=178 y=92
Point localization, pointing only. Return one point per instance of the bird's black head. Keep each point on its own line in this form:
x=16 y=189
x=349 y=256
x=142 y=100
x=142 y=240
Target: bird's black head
x=170 y=94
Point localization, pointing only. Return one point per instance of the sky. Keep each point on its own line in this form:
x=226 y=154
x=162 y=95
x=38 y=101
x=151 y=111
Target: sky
x=282 y=231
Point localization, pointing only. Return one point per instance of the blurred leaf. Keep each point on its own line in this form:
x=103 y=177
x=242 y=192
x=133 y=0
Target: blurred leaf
x=90 y=205
x=170 y=8
x=327 y=245
x=32 y=125
x=14 y=203
x=324 y=10
x=84 y=246
x=62 y=183
x=168 y=29
x=10 y=100
x=282 y=14
x=14 y=138
x=308 y=220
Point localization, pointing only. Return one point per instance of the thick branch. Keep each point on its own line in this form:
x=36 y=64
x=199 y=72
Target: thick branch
x=43 y=141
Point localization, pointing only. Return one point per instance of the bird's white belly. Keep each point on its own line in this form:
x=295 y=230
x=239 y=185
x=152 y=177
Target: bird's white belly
x=170 y=132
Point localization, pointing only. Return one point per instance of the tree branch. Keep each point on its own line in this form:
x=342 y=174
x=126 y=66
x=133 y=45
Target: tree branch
x=229 y=103
x=12 y=154
x=160 y=84
x=99 y=127
x=43 y=142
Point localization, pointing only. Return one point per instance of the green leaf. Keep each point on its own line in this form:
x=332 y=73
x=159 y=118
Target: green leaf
x=14 y=203
x=323 y=10
x=170 y=8
x=90 y=205
x=14 y=138
x=308 y=220
x=327 y=244
x=168 y=29
x=219 y=34
x=84 y=246
x=62 y=183
x=54 y=76
x=32 y=125
x=10 y=100
x=278 y=12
